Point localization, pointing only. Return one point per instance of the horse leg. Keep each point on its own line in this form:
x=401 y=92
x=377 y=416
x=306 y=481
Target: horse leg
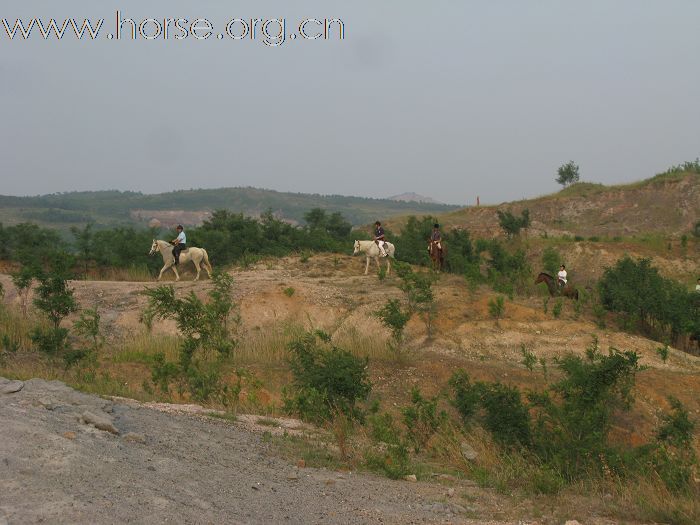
x=196 y=265
x=174 y=269
x=367 y=266
x=376 y=260
x=165 y=267
x=388 y=266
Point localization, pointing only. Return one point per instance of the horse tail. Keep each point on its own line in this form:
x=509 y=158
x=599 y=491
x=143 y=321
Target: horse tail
x=206 y=259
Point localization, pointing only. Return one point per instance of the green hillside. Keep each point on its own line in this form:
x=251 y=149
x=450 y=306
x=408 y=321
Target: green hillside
x=109 y=208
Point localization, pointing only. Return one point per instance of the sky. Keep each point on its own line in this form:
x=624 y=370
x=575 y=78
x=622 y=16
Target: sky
x=448 y=99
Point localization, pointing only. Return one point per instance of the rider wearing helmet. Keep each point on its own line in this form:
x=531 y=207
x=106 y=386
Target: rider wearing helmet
x=436 y=236
x=180 y=243
x=379 y=237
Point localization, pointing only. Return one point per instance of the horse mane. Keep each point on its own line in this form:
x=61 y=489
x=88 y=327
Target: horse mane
x=545 y=273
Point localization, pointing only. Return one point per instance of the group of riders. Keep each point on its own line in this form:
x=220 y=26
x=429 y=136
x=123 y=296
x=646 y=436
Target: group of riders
x=435 y=242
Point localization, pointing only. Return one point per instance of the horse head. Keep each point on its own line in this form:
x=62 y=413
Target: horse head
x=543 y=278
x=357 y=248
x=154 y=247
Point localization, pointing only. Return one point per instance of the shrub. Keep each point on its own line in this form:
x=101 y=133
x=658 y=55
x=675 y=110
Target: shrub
x=497 y=307
x=529 y=359
x=498 y=407
x=422 y=419
x=289 y=291
x=659 y=307
x=395 y=318
x=574 y=416
x=551 y=260
x=663 y=352
x=556 y=309
x=419 y=293
x=326 y=379
x=206 y=338
x=393 y=458
x=511 y=224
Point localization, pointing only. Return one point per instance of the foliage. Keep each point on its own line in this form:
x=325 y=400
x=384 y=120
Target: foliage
x=529 y=359
x=205 y=330
x=498 y=407
x=395 y=318
x=419 y=293
x=511 y=224
x=557 y=308
x=663 y=352
x=394 y=459
x=568 y=173
x=422 y=419
x=87 y=327
x=506 y=271
x=289 y=291
x=574 y=416
x=551 y=260
x=564 y=429
x=658 y=306
x=497 y=307
x=326 y=379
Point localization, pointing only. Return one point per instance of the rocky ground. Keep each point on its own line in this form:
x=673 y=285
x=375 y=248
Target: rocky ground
x=68 y=457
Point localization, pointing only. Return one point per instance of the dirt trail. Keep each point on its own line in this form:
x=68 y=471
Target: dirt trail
x=172 y=467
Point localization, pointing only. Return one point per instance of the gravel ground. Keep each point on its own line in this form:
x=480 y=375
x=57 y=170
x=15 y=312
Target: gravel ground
x=148 y=466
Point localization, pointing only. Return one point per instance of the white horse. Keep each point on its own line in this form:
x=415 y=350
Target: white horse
x=196 y=255
x=371 y=251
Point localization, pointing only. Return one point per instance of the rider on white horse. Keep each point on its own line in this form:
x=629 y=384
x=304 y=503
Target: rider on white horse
x=180 y=243
x=379 y=237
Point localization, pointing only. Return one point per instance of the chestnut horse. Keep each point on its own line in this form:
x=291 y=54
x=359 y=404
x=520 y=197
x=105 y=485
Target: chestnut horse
x=552 y=285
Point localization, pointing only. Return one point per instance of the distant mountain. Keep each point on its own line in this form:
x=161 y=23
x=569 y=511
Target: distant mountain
x=191 y=207
x=414 y=197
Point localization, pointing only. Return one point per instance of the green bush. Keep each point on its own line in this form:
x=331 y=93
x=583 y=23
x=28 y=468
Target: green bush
x=327 y=379
x=497 y=307
x=206 y=338
x=511 y=224
x=557 y=308
x=498 y=407
x=565 y=428
x=551 y=260
x=52 y=341
x=659 y=307
x=393 y=457
x=394 y=318
x=422 y=419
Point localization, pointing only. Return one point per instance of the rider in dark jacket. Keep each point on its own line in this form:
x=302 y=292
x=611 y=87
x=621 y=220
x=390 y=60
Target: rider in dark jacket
x=379 y=237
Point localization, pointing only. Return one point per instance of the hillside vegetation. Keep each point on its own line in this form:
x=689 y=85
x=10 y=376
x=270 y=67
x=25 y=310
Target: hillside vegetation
x=191 y=207
x=667 y=204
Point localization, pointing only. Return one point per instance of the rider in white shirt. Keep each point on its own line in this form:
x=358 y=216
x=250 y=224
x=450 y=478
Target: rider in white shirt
x=180 y=243
x=561 y=276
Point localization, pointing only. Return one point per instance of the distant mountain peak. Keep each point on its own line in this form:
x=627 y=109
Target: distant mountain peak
x=414 y=197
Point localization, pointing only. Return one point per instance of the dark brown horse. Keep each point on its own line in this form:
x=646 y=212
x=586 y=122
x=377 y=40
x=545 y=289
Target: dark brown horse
x=437 y=255
x=552 y=285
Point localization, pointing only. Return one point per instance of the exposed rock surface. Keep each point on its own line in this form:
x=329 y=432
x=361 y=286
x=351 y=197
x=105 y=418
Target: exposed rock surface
x=170 y=467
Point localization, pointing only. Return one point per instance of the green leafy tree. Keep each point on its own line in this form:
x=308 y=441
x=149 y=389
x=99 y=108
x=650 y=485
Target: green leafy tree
x=55 y=299
x=394 y=317
x=551 y=260
x=83 y=239
x=206 y=338
x=511 y=224
x=328 y=380
x=568 y=173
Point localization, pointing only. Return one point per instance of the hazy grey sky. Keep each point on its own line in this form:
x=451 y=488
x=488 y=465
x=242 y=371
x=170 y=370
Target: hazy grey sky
x=445 y=98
